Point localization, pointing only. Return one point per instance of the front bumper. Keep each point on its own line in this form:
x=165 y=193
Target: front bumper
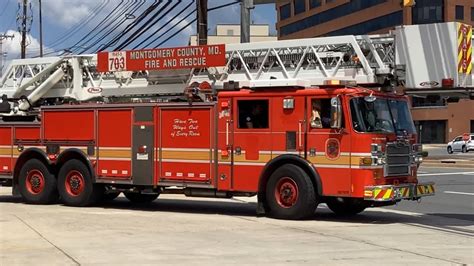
x=399 y=192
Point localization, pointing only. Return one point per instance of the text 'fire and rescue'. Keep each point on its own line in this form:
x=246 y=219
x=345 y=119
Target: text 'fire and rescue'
x=170 y=58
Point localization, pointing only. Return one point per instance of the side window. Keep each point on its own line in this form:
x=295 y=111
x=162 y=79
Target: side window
x=320 y=113
x=253 y=113
x=458 y=139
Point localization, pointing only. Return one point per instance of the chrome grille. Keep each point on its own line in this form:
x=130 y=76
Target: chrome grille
x=398 y=159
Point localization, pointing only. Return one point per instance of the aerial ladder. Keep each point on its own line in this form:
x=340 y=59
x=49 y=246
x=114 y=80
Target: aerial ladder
x=433 y=58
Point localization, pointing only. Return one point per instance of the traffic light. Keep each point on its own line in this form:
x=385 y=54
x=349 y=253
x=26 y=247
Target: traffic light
x=407 y=3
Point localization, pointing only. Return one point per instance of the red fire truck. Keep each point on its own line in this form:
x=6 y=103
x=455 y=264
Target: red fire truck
x=295 y=123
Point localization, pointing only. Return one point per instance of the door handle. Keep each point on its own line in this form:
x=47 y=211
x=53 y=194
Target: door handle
x=227 y=123
x=300 y=133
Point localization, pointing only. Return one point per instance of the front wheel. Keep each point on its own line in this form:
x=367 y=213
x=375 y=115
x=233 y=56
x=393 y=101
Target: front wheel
x=290 y=194
x=464 y=149
x=345 y=206
x=75 y=185
x=450 y=150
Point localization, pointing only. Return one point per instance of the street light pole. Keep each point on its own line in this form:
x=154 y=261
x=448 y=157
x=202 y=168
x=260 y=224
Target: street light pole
x=245 y=7
x=40 y=29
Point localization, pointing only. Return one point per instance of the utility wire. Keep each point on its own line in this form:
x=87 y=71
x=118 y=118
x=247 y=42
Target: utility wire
x=111 y=30
x=106 y=18
x=81 y=24
x=185 y=26
x=169 y=29
x=163 y=26
x=147 y=25
x=112 y=22
x=133 y=24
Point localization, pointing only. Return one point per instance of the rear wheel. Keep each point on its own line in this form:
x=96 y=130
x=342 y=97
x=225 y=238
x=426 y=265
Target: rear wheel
x=37 y=184
x=450 y=150
x=75 y=185
x=290 y=193
x=140 y=198
x=464 y=149
x=345 y=206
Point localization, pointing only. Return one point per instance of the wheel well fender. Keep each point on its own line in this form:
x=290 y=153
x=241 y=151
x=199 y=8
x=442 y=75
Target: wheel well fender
x=28 y=154
x=283 y=159
x=74 y=153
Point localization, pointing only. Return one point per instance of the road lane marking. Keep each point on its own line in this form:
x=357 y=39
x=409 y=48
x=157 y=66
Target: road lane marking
x=456 y=173
x=460 y=193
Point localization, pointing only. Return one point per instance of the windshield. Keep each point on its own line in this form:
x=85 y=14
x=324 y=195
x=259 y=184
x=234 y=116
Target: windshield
x=381 y=115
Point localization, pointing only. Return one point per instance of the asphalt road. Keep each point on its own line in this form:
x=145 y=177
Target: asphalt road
x=454 y=194
x=440 y=151
x=178 y=231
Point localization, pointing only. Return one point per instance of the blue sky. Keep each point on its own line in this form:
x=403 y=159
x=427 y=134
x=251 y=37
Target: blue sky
x=67 y=18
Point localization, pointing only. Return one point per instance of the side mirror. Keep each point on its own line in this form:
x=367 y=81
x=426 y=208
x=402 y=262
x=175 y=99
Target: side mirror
x=336 y=112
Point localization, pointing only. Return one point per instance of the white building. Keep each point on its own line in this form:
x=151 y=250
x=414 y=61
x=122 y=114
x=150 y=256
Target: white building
x=230 y=33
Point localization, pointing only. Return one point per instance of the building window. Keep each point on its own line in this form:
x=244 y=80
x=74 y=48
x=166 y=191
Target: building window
x=314 y=3
x=230 y=32
x=253 y=113
x=328 y=15
x=472 y=13
x=459 y=12
x=329 y=1
x=428 y=11
x=299 y=6
x=375 y=24
x=285 y=11
x=428 y=101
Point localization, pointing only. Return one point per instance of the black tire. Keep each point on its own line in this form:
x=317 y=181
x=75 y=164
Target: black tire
x=345 y=206
x=110 y=196
x=450 y=150
x=464 y=149
x=290 y=194
x=75 y=185
x=36 y=183
x=140 y=198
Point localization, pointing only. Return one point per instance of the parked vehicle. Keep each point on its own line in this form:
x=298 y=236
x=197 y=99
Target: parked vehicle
x=463 y=143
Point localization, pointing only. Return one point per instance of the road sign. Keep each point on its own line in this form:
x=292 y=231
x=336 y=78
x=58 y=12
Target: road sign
x=162 y=58
x=464 y=48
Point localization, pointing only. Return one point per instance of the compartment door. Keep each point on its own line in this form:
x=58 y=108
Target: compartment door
x=186 y=141
x=143 y=146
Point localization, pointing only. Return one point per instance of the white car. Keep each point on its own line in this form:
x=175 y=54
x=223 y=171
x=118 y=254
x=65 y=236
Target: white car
x=460 y=144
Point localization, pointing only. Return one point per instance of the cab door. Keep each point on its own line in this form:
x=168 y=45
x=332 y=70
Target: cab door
x=252 y=141
x=328 y=149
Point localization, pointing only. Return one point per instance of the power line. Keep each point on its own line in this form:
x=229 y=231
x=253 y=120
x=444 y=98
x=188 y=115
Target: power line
x=164 y=25
x=169 y=29
x=106 y=18
x=113 y=20
x=174 y=35
x=147 y=25
x=133 y=24
x=187 y=25
x=81 y=24
x=111 y=30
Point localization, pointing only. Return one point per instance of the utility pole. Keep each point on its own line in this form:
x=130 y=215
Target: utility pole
x=201 y=7
x=24 y=22
x=41 y=29
x=3 y=37
x=23 y=29
x=245 y=6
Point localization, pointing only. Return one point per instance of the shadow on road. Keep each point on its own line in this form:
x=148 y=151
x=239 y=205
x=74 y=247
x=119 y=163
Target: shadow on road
x=435 y=221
